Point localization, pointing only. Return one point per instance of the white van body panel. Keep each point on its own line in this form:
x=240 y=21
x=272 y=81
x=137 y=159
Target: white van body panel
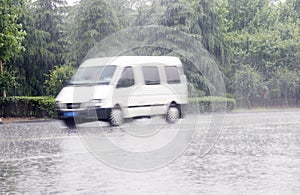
x=137 y=100
x=85 y=94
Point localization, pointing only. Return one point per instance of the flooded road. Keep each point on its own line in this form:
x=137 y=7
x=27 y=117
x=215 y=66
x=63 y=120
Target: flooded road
x=256 y=153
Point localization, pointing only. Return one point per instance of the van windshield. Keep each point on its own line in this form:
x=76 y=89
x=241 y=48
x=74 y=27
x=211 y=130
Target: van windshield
x=96 y=75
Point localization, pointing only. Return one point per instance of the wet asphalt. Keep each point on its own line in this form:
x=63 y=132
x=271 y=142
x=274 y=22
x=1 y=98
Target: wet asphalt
x=232 y=153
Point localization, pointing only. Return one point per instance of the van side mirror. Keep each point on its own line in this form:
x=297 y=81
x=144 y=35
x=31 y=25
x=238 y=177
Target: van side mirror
x=65 y=83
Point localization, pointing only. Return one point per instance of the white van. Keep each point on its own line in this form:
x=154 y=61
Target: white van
x=116 y=88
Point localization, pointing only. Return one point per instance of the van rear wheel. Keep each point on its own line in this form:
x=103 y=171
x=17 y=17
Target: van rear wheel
x=116 y=117
x=173 y=113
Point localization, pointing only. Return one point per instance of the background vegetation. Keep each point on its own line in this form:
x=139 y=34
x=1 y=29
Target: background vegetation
x=21 y=106
x=45 y=106
x=255 y=43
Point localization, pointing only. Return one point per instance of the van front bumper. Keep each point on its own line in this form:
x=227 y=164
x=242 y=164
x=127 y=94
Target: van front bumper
x=90 y=114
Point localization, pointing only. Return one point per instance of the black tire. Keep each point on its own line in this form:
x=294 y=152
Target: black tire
x=116 y=117
x=70 y=123
x=173 y=113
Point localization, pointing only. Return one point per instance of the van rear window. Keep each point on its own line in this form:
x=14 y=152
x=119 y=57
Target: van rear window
x=151 y=75
x=172 y=74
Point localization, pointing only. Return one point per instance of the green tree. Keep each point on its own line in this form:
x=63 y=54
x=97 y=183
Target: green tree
x=88 y=23
x=242 y=13
x=149 y=14
x=284 y=84
x=125 y=11
x=290 y=11
x=43 y=21
x=11 y=33
x=210 y=28
x=49 y=16
x=8 y=80
x=248 y=83
x=57 y=78
x=263 y=35
x=199 y=20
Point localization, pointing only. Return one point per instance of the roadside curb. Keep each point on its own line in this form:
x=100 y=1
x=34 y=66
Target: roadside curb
x=16 y=121
x=264 y=110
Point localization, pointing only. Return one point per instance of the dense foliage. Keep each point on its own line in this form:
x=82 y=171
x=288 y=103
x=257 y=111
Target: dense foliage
x=57 y=78
x=255 y=43
x=11 y=32
x=11 y=37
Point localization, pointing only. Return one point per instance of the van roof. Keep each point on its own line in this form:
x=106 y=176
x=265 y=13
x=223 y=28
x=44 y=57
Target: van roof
x=132 y=60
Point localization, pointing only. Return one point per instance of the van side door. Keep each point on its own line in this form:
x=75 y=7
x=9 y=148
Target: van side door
x=152 y=92
x=124 y=89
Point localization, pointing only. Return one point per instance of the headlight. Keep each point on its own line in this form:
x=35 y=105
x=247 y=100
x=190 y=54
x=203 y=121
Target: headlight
x=60 y=105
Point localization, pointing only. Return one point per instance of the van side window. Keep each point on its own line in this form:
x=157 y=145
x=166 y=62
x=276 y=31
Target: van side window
x=127 y=78
x=172 y=74
x=151 y=75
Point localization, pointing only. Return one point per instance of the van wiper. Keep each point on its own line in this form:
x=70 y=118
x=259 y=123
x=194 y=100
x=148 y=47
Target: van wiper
x=84 y=82
x=88 y=84
x=75 y=83
x=102 y=83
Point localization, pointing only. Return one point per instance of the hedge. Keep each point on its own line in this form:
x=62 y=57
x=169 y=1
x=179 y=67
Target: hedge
x=43 y=106
x=210 y=104
x=23 y=106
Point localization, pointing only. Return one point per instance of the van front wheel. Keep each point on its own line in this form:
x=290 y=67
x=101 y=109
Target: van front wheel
x=173 y=113
x=116 y=117
x=70 y=123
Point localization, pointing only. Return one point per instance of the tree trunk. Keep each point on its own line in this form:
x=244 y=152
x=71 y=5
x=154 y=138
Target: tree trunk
x=249 y=102
x=284 y=91
x=298 y=97
x=285 y=98
x=1 y=72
